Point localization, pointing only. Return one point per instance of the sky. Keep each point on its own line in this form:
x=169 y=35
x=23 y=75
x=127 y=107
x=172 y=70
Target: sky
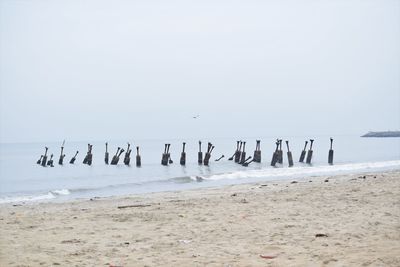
x=101 y=70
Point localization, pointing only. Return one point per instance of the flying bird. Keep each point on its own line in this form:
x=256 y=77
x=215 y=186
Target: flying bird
x=195 y=117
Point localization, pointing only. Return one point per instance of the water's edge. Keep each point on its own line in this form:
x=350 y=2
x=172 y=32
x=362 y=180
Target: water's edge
x=193 y=182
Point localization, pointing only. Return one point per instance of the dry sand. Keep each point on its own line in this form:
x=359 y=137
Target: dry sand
x=264 y=224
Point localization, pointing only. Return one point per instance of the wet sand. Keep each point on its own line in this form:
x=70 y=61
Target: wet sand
x=347 y=220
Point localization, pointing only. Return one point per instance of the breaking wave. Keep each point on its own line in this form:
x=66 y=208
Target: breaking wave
x=308 y=170
x=35 y=197
x=267 y=173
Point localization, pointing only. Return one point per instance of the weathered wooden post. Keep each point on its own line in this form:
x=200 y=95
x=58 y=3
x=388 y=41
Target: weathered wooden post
x=238 y=152
x=164 y=158
x=106 y=155
x=44 y=160
x=257 y=152
x=289 y=155
x=330 y=156
x=170 y=161
x=62 y=156
x=208 y=154
x=243 y=154
x=303 y=153
x=310 y=152
x=237 y=149
x=182 y=160
x=200 y=155
x=114 y=158
x=39 y=160
x=138 y=158
x=127 y=158
x=248 y=158
x=280 y=152
x=218 y=159
x=275 y=155
x=247 y=162
x=206 y=158
x=85 y=159
x=72 y=161
x=50 y=162
x=90 y=156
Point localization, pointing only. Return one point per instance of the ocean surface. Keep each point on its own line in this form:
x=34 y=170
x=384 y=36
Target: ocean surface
x=22 y=180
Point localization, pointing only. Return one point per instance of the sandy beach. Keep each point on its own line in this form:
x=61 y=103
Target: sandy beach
x=348 y=220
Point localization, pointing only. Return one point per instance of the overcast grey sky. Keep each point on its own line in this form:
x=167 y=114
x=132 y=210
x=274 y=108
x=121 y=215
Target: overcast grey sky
x=84 y=70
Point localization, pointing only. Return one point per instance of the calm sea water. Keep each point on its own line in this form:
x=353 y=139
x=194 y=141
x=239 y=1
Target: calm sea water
x=21 y=179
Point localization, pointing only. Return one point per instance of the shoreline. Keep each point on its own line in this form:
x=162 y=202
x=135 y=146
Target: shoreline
x=216 y=180
x=339 y=220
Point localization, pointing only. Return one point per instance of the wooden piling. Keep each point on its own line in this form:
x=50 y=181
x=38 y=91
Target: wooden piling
x=39 y=160
x=114 y=158
x=303 y=153
x=44 y=160
x=243 y=154
x=127 y=158
x=90 y=156
x=280 y=152
x=310 y=152
x=138 y=158
x=330 y=155
x=62 y=156
x=218 y=159
x=164 y=158
x=274 y=159
x=257 y=152
x=208 y=154
x=182 y=160
x=106 y=155
x=85 y=159
x=50 y=162
x=72 y=161
x=170 y=161
x=289 y=155
x=200 y=155
x=238 y=152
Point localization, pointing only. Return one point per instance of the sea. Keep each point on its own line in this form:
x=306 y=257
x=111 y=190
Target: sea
x=22 y=180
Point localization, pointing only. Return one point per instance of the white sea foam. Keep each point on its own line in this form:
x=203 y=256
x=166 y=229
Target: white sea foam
x=307 y=170
x=31 y=198
x=61 y=192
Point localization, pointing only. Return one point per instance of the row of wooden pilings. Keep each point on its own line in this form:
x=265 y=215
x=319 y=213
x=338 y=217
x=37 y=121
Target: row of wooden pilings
x=239 y=156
